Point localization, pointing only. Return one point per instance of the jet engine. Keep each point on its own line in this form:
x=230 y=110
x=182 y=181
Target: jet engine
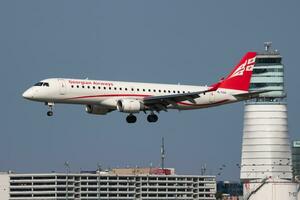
x=97 y=110
x=129 y=105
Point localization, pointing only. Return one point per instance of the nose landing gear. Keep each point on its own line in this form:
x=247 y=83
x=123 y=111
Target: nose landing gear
x=50 y=108
x=49 y=113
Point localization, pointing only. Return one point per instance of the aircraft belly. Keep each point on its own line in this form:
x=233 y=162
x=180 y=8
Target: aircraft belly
x=203 y=102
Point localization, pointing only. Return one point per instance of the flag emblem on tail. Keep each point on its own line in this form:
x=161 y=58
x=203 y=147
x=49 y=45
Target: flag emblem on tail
x=246 y=66
x=239 y=78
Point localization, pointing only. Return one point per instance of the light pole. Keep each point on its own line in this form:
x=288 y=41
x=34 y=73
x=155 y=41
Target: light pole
x=67 y=165
x=99 y=178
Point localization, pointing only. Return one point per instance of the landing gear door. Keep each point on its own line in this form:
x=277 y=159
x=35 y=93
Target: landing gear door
x=62 y=86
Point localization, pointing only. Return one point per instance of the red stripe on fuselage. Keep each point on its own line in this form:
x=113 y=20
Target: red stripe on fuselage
x=208 y=104
x=109 y=95
x=143 y=95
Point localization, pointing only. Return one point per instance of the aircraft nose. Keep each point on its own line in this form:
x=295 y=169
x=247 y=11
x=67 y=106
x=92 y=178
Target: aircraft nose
x=28 y=94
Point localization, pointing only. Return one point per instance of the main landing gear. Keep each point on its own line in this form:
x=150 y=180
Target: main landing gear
x=131 y=118
x=50 y=108
x=150 y=118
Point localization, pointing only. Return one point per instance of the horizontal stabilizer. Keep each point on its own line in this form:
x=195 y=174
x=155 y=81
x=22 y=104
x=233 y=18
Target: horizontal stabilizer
x=250 y=95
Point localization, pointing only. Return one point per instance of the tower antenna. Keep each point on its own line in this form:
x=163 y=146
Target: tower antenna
x=267 y=46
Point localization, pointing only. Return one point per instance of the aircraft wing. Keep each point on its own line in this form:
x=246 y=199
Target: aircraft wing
x=159 y=103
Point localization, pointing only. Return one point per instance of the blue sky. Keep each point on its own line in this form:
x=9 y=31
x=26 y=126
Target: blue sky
x=188 y=42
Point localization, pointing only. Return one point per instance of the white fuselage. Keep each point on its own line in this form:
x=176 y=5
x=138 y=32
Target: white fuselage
x=107 y=93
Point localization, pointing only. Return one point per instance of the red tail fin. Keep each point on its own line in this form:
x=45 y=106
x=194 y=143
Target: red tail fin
x=239 y=78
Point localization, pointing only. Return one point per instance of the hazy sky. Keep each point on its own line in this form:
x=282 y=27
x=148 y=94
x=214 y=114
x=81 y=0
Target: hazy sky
x=190 y=42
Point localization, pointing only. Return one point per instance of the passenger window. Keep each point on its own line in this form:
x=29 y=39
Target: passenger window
x=169 y=91
x=149 y=90
x=159 y=90
x=94 y=87
x=178 y=91
x=77 y=86
x=99 y=87
x=132 y=89
x=72 y=86
x=164 y=91
x=115 y=88
x=104 y=88
x=144 y=90
x=154 y=90
x=120 y=88
x=83 y=86
x=138 y=89
x=174 y=91
x=89 y=87
x=109 y=88
x=126 y=89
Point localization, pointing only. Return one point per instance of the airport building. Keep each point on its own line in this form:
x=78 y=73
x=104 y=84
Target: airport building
x=266 y=164
x=134 y=184
x=296 y=159
x=230 y=189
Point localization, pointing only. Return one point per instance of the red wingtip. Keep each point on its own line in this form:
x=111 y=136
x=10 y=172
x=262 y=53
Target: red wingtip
x=239 y=78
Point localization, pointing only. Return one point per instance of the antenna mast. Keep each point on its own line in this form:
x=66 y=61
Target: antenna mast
x=162 y=153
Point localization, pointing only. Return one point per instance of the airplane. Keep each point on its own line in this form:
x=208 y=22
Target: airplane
x=101 y=97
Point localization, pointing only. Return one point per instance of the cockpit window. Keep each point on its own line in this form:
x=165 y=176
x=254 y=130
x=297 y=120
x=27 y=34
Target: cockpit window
x=38 y=84
x=42 y=84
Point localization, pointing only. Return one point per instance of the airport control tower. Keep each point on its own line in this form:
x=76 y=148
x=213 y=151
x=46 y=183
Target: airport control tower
x=266 y=165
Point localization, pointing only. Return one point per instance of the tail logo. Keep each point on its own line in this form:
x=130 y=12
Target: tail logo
x=246 y=66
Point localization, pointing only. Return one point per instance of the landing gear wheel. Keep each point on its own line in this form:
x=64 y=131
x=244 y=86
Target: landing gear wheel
x=49 y=113
x=152 y=118
x=50 y=108
x=131 y=119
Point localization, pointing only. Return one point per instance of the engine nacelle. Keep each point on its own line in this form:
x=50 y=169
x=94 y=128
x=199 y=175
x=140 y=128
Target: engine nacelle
x=129 y=105
x=97 y=110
